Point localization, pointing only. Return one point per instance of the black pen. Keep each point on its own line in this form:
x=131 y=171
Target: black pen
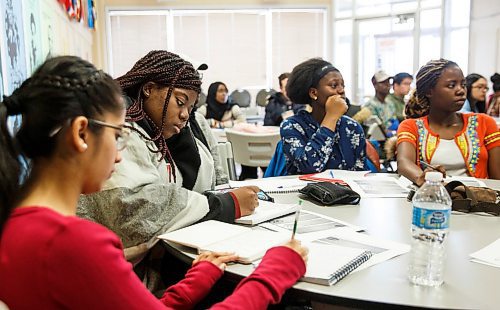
x=426 y=165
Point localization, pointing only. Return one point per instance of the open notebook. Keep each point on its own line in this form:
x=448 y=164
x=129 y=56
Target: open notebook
x=328 y=264
x=249 y=244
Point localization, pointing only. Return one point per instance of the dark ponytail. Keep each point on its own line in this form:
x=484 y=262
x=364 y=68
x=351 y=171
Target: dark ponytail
x=61 y=89
x=10 y=166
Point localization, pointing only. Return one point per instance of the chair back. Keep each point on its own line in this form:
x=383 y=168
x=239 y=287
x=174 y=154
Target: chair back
x=241 y=97
x=226 y=159
x=202 y=99
x=376 y=132
x=263 y=95
x=253 y=149
x=277 y=165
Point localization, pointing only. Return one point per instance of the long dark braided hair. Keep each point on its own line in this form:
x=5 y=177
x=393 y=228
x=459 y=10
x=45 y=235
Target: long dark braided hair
x=61 y=89
x=164 y=68
x=427 y=76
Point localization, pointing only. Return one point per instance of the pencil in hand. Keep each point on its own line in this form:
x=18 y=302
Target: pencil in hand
x=296 y=221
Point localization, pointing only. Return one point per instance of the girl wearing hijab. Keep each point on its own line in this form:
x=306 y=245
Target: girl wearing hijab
x=219 y=110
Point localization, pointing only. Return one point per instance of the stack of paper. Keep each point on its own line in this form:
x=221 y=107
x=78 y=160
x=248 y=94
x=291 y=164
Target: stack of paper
x=489 y=255
x=267 y=211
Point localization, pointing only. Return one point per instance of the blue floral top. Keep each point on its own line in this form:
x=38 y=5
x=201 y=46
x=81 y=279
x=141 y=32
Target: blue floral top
x=308 y=147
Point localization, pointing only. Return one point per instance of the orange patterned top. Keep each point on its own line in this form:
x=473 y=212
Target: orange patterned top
x=478 y=135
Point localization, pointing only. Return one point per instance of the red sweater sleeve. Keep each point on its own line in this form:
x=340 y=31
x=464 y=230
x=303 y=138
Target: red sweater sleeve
x=280 y=268
x=193 y=288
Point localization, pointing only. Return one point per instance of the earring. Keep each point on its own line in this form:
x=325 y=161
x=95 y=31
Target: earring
x=315 y=98
x=84 y=146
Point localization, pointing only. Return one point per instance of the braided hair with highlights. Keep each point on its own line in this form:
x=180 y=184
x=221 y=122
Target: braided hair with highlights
x=427 y=76
x=164 y=68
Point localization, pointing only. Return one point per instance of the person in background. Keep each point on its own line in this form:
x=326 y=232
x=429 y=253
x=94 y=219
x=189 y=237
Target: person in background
x=437 y=133
x=378 y=106
x=73 y=130
x=494 y=100
x=144 y=197
x=477 y=87
x=278 y=104
x=324 y=138
x=222 y=113
x=401 y=87
x=219 y=110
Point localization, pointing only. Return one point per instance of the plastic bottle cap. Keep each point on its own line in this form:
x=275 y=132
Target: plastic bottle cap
x=434 y=176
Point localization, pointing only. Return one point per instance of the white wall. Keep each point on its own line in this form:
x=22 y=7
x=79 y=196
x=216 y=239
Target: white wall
x=484 y=37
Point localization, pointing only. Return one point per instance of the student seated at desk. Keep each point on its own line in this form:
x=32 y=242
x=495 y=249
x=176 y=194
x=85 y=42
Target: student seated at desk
x=324 y=138
x=72 y=131
x=438 y=133
x=220 y=111
x=144 y=197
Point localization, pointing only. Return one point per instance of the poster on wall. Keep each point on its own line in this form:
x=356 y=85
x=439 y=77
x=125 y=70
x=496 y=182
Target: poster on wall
x=1 y=64
x=32 y=34
x=12 y=43
x=48 y=22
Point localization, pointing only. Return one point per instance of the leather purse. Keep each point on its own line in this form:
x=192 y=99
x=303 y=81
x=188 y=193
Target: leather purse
x=328 y=193
x=473 y=199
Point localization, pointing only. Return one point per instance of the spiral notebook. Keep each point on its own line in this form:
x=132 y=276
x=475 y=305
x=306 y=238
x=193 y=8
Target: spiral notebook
x=328 y=263
x=273 y=185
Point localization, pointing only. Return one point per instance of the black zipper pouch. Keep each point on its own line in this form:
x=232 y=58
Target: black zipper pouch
x=329 y=193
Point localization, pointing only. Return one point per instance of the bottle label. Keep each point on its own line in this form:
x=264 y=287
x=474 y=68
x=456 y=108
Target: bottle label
x=431 y=219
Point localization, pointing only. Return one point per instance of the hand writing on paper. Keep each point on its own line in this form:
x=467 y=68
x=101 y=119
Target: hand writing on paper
x=421 y=178
x=295 y=245
x=219 y=259
x=247 y=199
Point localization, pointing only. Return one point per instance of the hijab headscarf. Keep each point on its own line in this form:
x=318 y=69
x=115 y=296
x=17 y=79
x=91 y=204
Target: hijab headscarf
x=215 y=109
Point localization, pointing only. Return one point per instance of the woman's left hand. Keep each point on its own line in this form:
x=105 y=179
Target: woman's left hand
x=219 y=259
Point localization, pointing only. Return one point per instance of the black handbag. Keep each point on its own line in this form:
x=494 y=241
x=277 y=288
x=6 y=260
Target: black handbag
x=329 y=193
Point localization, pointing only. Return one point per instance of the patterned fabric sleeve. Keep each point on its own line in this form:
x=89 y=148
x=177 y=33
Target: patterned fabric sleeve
x=407 y=132
x=492 y=134
x=307 y=155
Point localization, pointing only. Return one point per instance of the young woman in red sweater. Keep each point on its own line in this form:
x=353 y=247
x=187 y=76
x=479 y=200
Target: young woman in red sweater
x=72 y=132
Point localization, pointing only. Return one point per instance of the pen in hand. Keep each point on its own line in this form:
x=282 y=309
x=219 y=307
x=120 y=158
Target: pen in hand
x=426 y=165
x=296 y=221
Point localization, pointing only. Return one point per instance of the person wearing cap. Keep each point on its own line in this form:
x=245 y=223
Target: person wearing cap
x=401 y=87
x=378 y=106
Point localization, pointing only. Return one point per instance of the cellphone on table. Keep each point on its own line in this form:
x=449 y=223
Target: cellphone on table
x=264 y=196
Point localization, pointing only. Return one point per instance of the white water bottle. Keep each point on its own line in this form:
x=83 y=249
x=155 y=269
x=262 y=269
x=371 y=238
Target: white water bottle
x=430 y=224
